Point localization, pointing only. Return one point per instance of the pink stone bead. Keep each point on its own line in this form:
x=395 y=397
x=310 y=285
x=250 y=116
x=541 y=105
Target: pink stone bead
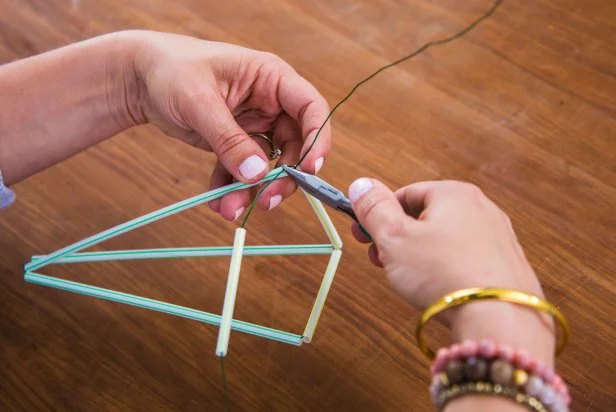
x=557 y=387
x=522 y=358
x=505 y=352
x=438 y=365
x=560 y=388
x=443 y=353
x=539 y=368
x=548 y=374
x=469 y=348
x=442 y=357
x=531 y=365
x=557 y=379
x=455 y=351
x=487 y=348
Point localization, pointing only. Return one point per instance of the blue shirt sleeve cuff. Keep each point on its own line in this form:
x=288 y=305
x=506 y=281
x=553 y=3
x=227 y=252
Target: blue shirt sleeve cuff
x=7 y=196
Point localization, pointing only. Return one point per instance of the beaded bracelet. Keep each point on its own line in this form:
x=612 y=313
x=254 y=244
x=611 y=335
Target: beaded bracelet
x=486 y=388
x=472 y=361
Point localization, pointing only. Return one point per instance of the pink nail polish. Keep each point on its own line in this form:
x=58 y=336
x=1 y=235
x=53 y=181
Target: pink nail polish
x=318 y=164
x=251 y=167
x=238 y=213
x=274 y=201
x=359 y=188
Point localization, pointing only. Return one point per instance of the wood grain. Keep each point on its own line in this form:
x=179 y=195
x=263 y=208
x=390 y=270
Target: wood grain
x=524 y=106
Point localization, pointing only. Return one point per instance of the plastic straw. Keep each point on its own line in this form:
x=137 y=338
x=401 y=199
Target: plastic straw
x=325 y=220
x=151 y=217
x=231 y=292
x=317 y=308
x=164 y=307
x=136 y=254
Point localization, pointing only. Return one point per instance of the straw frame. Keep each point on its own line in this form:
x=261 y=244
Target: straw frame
x=72 y=254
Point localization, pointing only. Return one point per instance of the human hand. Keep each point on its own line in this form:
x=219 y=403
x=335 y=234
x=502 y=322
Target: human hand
x=211 y=94
x=433 y=238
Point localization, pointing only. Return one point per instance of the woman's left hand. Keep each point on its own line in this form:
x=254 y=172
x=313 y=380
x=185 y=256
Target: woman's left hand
x=210 y=95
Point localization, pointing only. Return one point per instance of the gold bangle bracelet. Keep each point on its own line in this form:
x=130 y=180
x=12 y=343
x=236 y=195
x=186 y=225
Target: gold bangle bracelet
x=464 y=296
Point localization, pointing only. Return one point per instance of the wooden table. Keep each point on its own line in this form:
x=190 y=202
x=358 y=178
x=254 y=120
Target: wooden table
x=524 y=106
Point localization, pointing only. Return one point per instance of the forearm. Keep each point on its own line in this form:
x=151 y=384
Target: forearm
x=59 y=103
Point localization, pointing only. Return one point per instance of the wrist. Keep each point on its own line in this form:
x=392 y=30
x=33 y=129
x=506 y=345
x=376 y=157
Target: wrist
x=124 y=87
x=474 y=403
x=506 y=323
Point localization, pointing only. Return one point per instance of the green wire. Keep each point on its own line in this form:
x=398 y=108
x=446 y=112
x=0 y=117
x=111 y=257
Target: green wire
x=225 y=385
x=420 y=50
x=254 y=202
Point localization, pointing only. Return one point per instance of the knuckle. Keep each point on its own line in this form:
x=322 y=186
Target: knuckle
x=506 y=218
x=228 y=141
x=269 y=57
x=369 y=205
x=321 y=100
x=301 y=114
x=470 y=189
x=467 y=191
x=321 y=105
x=397 y=278
x=393 y=230
x=373 y=208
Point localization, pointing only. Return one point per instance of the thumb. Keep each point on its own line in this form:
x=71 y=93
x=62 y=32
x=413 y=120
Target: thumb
x=238 y=153
x=377 y=208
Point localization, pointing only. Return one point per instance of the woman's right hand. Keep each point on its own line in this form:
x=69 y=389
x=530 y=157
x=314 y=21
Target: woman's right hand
x=434 y=238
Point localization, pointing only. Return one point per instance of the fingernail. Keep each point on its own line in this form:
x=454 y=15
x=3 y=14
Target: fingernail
x=252 y=166
x=318 y=164
x=238 y=213
x=274 y=201
x=358 y=188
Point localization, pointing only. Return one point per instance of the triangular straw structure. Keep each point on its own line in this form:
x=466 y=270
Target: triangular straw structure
x=72 y=254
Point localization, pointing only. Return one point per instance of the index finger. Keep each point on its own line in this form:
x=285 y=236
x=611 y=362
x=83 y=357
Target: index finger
x=413 y=197
x=304 y=103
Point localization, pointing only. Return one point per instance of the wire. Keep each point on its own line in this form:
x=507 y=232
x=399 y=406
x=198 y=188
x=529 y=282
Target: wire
x=420 y=50
x=225 y=385
x=395 y=63
x=254 y=202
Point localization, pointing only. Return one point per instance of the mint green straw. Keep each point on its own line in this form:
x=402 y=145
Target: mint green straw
x=149 y=218
x=164 y=307
x=136 y=254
